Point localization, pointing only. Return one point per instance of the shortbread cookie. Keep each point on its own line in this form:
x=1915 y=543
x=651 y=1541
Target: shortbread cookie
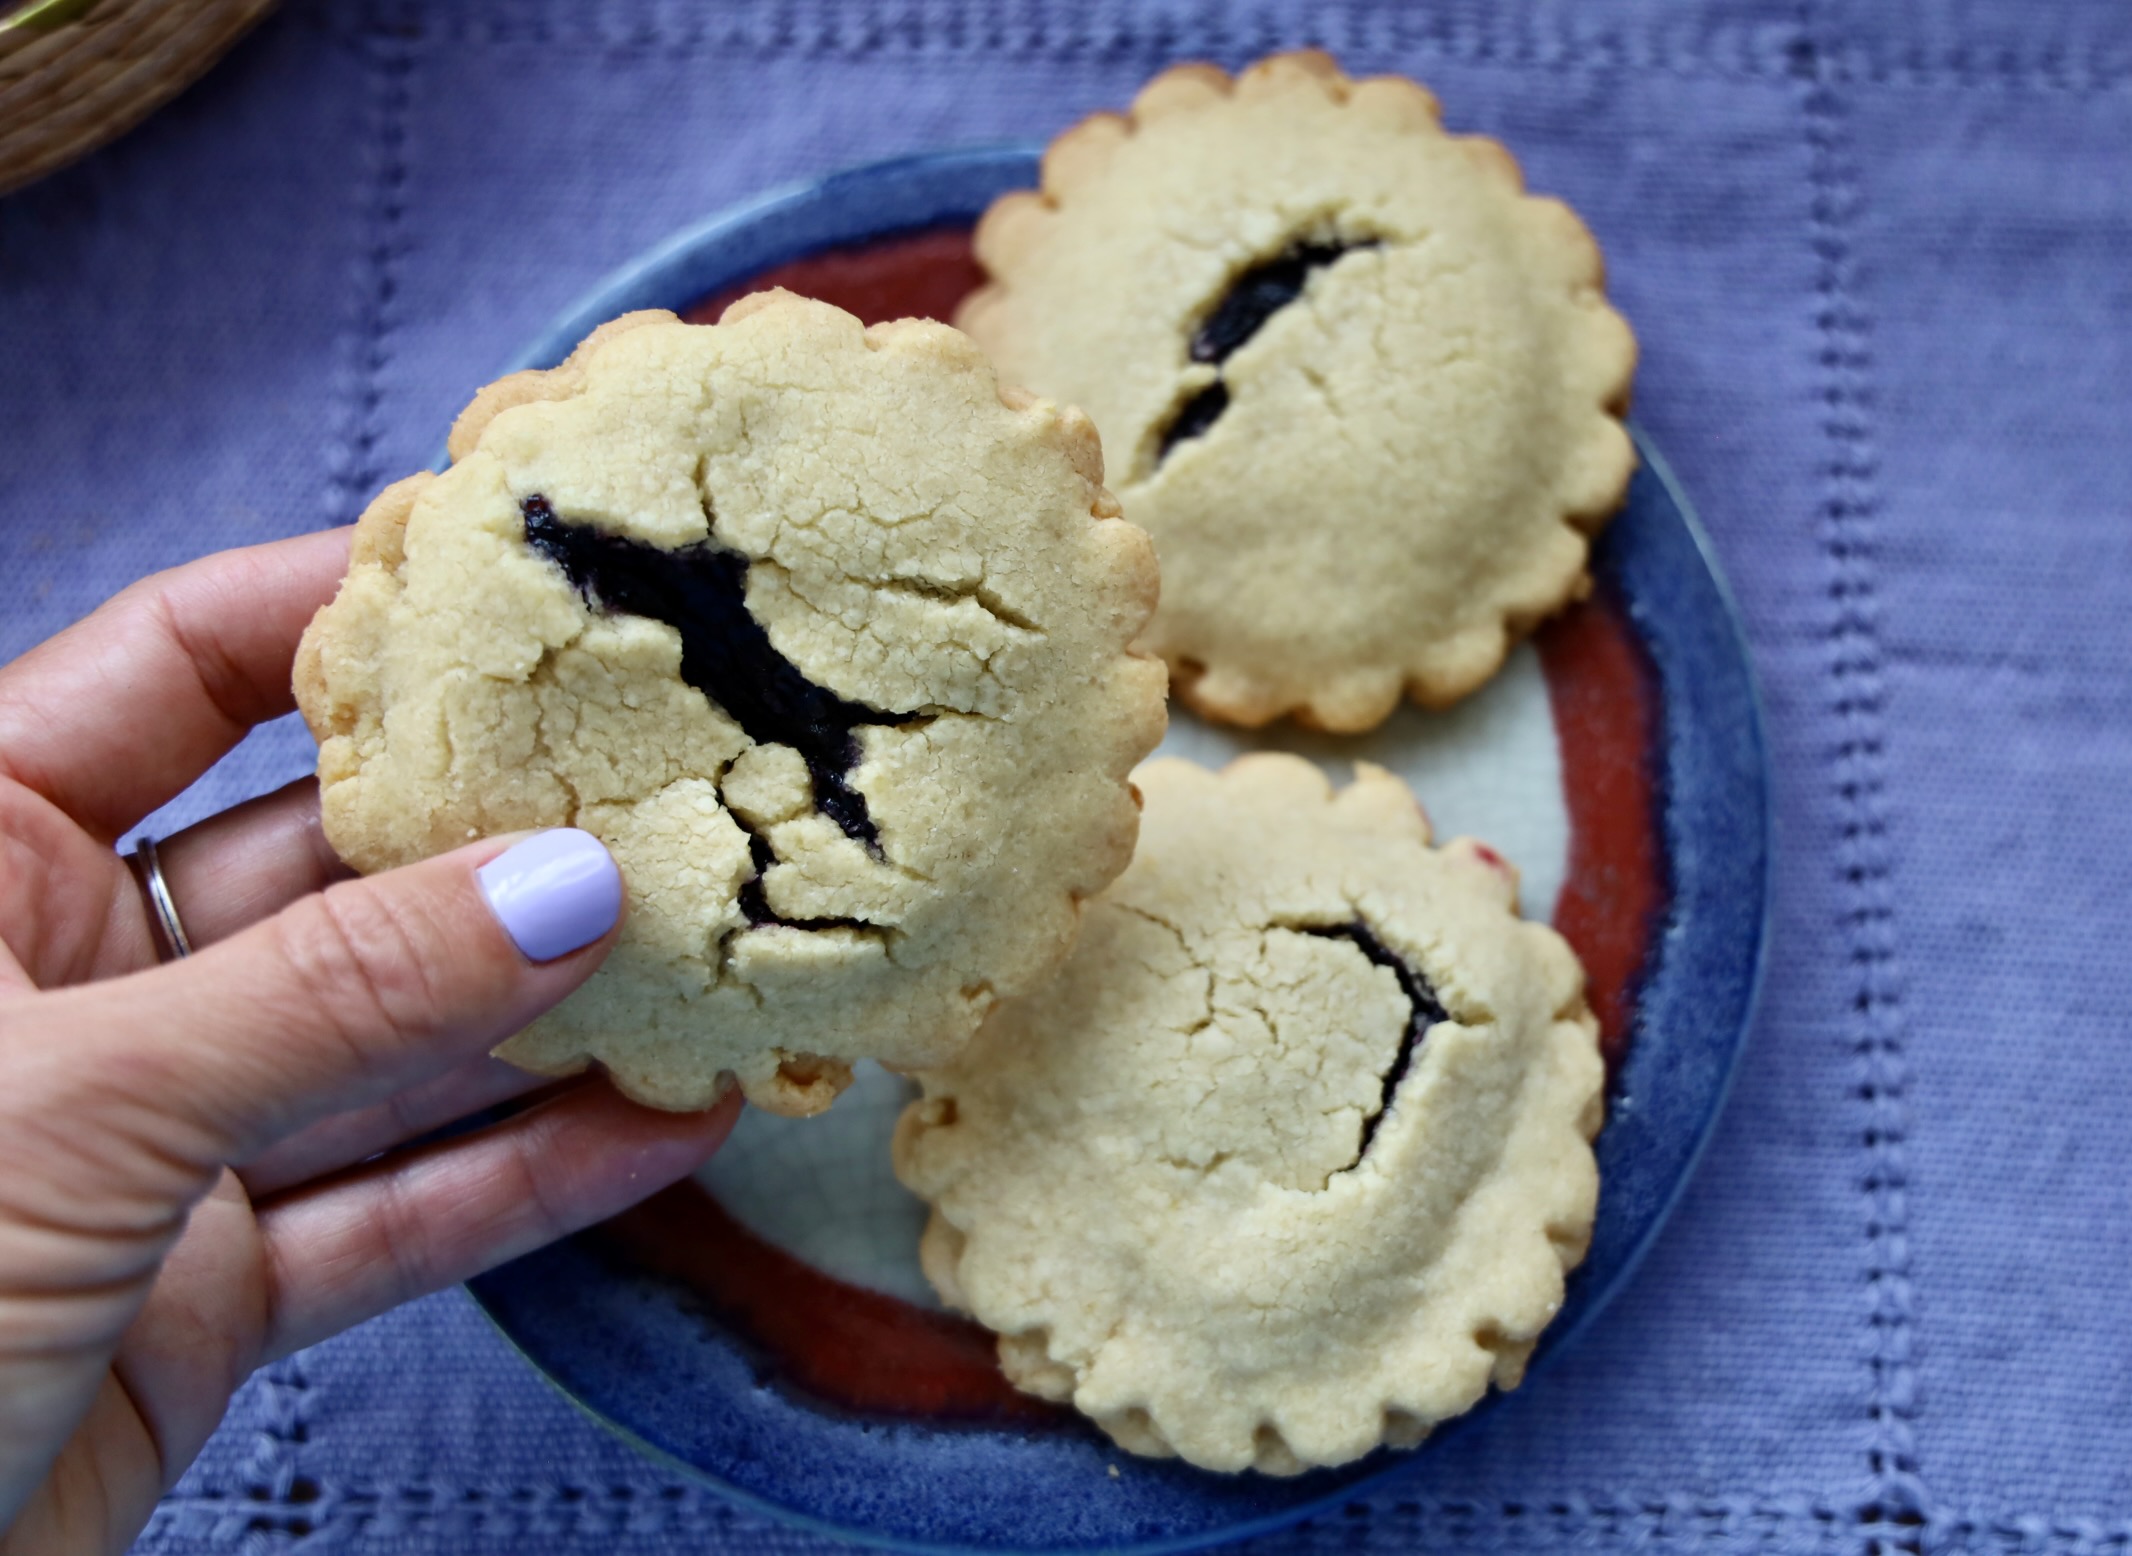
x=1364 y=391
x=822 y=632
x=1292 y=1158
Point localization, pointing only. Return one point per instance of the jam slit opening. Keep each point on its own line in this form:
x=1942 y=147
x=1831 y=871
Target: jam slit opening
x=1424 y=1010
x=1241 y=312
x=701 y=592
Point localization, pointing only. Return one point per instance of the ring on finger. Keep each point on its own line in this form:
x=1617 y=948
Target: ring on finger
x=171 y=941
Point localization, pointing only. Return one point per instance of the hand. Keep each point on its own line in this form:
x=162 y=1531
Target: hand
x=190 y=1178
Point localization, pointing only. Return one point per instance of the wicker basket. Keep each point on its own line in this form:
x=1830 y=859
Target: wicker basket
x=77 y=73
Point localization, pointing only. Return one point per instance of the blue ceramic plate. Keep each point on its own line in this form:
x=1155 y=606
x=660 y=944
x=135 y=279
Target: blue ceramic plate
x=765 y=1329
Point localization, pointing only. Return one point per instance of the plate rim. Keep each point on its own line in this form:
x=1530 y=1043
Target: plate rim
x=626 y=286
x=649 y=279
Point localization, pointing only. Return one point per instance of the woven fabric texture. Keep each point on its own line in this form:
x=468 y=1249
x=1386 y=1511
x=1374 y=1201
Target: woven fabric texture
x=1880 y=259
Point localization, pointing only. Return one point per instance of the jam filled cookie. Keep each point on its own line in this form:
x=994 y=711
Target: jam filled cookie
x=1362 y=389
x=1292 y=1158
x=819 y=630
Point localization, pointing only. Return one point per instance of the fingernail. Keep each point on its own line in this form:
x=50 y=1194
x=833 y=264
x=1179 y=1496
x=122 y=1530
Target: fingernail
x=554 y=892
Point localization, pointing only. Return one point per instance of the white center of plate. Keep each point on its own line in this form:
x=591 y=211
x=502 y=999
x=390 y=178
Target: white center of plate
x=821 y=1188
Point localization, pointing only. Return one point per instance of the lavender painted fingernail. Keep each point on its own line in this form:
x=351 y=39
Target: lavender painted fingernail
x=554 y=892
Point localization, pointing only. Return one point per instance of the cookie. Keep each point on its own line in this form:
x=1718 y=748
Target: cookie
x=818 y=629
x=1363 y=390
x=1292 y=1158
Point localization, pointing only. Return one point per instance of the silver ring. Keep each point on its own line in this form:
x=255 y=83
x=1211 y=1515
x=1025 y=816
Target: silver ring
x=171 y=941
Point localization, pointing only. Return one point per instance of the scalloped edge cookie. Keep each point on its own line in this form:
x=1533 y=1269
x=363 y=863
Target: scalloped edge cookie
x=1054 y=316
x=1293 y=1157
x=516 y=431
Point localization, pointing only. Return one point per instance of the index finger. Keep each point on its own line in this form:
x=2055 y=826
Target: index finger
x=117 y=714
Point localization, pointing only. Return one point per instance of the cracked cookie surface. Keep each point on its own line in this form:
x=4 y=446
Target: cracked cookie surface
x=1292 y=1158
x=819 y=630
x=1364 y=391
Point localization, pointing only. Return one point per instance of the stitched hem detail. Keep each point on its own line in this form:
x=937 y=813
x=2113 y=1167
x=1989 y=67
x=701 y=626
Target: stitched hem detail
x=1359 y=31
x=354 y=473
x=1856 y=711
x=2019 y=1534
x=267 y=1486
x=1686 y=1520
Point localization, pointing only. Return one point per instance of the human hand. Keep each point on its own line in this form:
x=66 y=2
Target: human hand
x=187 y=1182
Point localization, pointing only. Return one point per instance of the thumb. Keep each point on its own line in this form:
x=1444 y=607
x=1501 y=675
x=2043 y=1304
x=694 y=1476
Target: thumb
x=338 y=1001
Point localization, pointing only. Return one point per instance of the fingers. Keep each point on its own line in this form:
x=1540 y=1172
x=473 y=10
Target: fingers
x=75 y=912
x=341 y=1141
x=348 y=1251
x=247 y=863
x=61 y=909
x=80 y=913
x=333 y=1004
x=118 y=713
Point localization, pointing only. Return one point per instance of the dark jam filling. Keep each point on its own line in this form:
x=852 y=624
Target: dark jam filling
x=1424 y=1011
x=701 y=592
x=1194 y=417
x=1253 y=298
x=1258 y=294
